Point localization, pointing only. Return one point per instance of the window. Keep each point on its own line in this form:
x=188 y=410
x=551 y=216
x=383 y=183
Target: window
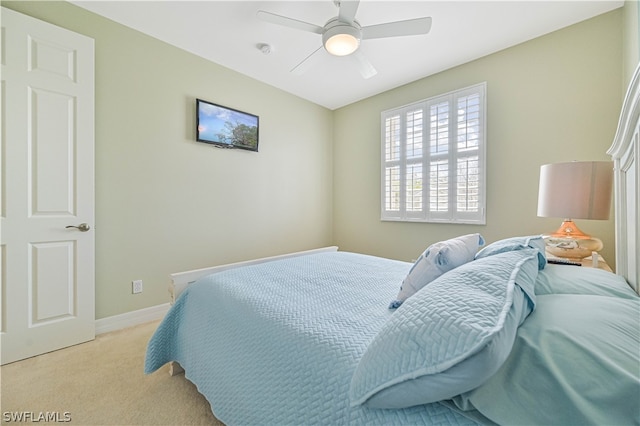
x=433 y=159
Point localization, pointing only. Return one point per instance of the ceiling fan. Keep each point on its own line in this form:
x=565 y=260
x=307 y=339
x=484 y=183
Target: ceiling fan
x=341 y=35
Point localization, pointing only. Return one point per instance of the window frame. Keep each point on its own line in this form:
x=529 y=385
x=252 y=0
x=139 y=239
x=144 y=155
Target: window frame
x=394 y=207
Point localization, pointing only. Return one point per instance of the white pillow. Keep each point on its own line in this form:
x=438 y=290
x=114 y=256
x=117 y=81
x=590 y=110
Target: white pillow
x=437 y=259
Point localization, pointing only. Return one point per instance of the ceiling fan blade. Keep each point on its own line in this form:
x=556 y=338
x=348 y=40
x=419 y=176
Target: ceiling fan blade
x=306 y=63
x=399 y=28
x=364 y=66
x=347 y=11
x=288 y=22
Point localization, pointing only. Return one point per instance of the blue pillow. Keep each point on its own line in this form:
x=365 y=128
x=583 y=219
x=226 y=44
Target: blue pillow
x=468 y=374
x=575 y=361
x=562 y=279
x=517 y=243
x=450 y=336
x=437 y=259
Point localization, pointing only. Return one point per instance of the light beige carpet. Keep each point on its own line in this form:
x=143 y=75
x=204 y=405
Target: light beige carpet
x=102 y=383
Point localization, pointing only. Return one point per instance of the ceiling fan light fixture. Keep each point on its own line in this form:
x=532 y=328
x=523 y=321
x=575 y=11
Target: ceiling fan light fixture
x=341 y=40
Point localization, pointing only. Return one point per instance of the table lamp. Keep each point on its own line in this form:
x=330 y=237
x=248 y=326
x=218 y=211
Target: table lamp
x=574 y=190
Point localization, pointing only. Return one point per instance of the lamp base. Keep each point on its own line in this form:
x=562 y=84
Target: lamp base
x=569 y=229
x=572 y=248
x=570 y=242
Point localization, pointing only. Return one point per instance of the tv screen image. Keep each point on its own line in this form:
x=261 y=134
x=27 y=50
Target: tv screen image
x=226 y=127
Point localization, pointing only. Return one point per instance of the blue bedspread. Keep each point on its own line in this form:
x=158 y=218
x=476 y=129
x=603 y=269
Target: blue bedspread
x=278 y=343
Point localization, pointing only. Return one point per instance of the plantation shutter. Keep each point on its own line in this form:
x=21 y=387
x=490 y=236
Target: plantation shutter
x=433 y=156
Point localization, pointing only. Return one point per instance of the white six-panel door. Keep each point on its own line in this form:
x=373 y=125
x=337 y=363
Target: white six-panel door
x=47 y=183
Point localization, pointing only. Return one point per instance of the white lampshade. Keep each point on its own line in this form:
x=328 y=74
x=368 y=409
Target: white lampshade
x=576 y=190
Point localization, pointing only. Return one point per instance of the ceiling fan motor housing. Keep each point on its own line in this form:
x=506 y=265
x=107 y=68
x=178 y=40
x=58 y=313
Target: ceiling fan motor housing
x=341 y=38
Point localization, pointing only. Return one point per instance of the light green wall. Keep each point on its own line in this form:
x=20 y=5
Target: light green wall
x=165 y=203
x=631 y=40
x=552 y=99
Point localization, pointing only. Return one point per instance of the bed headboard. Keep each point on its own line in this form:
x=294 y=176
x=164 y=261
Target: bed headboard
x=625 y=152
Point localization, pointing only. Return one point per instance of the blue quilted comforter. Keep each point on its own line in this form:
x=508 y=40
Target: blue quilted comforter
x=278 y=343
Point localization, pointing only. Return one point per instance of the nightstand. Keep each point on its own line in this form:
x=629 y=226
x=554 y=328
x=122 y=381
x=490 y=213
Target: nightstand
x=588 y=262
x=602 y=264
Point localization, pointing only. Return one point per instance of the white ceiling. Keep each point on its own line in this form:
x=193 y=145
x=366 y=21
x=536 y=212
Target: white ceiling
x=228 y=33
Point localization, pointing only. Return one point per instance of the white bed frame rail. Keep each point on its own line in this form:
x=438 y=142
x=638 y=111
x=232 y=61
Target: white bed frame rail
x=181 y=280
x=625 y=152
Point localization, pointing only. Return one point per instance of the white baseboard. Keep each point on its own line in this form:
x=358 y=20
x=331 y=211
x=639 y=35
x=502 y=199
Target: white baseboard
x=129 y=319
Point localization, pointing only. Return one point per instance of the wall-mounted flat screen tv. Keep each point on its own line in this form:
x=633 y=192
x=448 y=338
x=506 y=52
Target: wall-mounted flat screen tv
x=226 y=127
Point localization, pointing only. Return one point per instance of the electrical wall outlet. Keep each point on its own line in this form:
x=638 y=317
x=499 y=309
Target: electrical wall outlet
x=136 y=286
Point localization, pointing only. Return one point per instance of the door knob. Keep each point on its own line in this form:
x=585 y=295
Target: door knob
x=83 y=227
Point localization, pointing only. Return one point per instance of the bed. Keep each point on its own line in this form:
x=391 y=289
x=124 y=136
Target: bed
x=497 y=336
